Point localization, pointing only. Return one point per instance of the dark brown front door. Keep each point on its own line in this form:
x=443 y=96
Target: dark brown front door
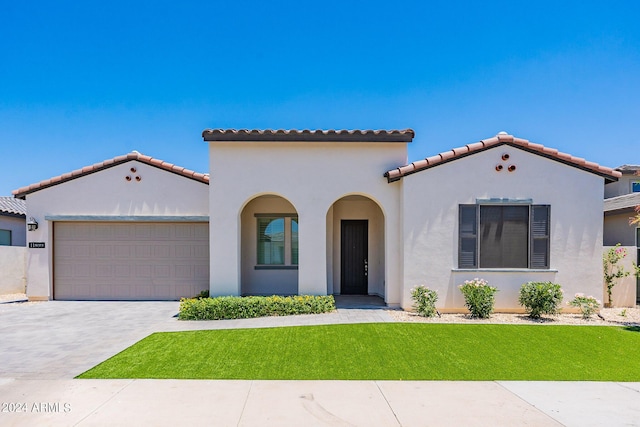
x=353 y=257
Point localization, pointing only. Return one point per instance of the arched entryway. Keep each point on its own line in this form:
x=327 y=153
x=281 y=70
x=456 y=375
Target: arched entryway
x=356 y=247
x=269 y=247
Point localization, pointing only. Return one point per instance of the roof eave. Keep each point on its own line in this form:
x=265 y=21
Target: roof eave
x=610 y=175
x=281 y=135
x=21 y=193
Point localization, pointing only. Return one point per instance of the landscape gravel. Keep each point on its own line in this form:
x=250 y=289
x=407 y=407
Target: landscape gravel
x=619 y=316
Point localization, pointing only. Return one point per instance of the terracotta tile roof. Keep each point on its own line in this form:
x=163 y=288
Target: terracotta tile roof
x=405 y=135
x=161 y=164
x=626 y=202
x=502 y=139
x=12 y=206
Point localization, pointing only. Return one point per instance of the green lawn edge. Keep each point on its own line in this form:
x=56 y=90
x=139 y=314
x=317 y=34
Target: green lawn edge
x=384 y=351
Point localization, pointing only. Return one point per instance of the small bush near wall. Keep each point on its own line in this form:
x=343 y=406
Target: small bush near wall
x=247 y=307
x=539 y=298
x=587 y=305
x=424 y=301
x=479 y=297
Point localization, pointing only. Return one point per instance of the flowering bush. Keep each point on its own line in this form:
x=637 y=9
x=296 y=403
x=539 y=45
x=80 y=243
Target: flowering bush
x=479 y=297
x=540 y=298
x=587 y=305
x=424 y=301
x=613 y=271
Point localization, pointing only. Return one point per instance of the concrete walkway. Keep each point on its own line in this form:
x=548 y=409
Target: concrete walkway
x=43 y=346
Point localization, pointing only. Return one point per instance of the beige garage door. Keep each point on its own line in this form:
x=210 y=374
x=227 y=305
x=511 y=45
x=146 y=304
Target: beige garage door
x=130 y=261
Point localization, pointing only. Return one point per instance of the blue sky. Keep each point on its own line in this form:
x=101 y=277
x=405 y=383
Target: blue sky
x=81 y=82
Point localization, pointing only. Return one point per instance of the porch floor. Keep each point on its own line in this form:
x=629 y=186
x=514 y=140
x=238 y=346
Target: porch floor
x=372 y=302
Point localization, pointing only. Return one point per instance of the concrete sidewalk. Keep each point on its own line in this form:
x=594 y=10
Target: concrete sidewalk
x=316 y=403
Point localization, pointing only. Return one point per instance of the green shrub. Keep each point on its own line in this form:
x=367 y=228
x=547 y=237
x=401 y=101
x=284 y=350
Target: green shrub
x=539 y=298
x=254 y=306
x=479 y=297
x=587 y=305
x=203 y=294
x=424 y=301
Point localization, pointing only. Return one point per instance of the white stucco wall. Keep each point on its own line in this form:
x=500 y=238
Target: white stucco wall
x=311 y=176
x=159 y=193
x=18 y=229
x=430 y=204
x=12 y=269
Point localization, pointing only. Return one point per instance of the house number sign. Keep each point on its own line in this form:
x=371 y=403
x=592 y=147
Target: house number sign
x=37 y=245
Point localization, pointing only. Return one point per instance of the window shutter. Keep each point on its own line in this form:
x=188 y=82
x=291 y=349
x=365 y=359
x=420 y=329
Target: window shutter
x=540 y=227
x=467 y=237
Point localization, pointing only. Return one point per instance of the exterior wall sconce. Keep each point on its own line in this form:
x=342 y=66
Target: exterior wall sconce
x=32 y=224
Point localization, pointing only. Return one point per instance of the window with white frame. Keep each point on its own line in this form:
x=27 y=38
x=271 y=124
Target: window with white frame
x=504 y=236
x=277 y=240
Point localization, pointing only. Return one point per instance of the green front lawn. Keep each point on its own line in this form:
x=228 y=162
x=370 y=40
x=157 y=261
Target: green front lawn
x=385 y=351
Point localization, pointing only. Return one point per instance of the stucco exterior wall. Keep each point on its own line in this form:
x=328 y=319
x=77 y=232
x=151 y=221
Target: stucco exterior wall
x=617 y=230
x=430 y=204
x=18 y=229
x=12 y=269
x=107 y=193
x=311 y=176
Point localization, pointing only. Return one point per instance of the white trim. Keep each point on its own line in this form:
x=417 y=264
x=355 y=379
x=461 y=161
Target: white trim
x=127 y=218
x=504 y=270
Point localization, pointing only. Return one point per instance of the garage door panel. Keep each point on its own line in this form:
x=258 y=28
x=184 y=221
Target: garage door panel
x=143 y=251
x=120 y=251
x=104 y=271
x=162 y=251
x=155 y=261
x=161 y=271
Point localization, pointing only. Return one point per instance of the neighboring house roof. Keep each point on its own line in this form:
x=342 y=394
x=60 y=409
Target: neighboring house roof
x=629 y=169
x=12 y=206
x=161 y=164
x=620 y=204
x=405 y=135
x=502 y=139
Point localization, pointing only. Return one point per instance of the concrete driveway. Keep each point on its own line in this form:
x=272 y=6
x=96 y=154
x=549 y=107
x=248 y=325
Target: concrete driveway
x=62 y=339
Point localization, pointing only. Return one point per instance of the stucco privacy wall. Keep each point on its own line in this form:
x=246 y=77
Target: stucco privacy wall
x=624 y=293
x=12 y=269
x=108 y=195
x=311 y=176
x=430 y=230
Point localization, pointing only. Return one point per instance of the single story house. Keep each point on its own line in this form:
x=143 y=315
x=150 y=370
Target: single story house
x=321 y=212
x=13 y=229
